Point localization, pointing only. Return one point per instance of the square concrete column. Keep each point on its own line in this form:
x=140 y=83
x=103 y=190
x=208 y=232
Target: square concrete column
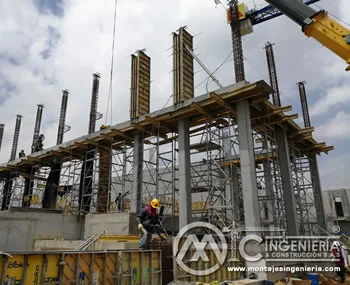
x=316 y=185
x=137 y=174
x=247 y=160
x=185 y=196
x=248 y=176
x=269 y=190
x=287 y=181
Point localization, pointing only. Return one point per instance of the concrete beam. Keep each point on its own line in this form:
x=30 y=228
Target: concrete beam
x=287 y=181
x=185 y=199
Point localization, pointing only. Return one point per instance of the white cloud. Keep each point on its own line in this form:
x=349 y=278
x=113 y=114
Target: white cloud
x=337 y=127
x=335 y=96
x=85 y=43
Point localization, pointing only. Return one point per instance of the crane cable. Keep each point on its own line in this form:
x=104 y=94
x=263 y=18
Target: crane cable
x=112 y=66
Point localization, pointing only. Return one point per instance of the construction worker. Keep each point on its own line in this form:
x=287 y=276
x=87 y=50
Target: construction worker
x=119 y=202
x=341 y=262
x=149 y=223
x=21 y=154
x=39 y=146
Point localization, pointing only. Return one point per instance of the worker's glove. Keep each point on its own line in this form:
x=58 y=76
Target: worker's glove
x=162 y=236
x=140 y=226
x=347 y=268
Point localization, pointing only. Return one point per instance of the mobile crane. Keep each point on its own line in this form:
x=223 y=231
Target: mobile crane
x=317 y=25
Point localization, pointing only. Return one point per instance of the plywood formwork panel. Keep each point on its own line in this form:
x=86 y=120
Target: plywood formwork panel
x=140 y=85
x=183 y=74
x=94 y=267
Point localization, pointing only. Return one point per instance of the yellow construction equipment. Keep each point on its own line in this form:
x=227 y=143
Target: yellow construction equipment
x=317 y=25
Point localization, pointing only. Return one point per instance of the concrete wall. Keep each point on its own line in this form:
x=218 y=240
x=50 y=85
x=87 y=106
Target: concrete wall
x=30 y=229
x=111 y=223
x=47 y=245
x=328 y=197
x=20 y=228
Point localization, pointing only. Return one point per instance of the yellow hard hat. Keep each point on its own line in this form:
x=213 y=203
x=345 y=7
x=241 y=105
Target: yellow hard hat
x=155 y=203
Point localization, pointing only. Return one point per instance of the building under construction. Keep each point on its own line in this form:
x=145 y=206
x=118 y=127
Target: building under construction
x=232 y=157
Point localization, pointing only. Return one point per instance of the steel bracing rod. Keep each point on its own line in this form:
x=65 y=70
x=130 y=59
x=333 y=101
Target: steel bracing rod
x=237 y=42
x=204 y=67
x=304 y=105
x=39 y=114
x=62 y=121
x=94 y=101
x=273 y=74
x=15 y=137
x=1 y=133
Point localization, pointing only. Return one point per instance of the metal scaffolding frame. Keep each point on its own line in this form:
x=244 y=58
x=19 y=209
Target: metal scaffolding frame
x=68 y=189
x=121 y=173
x=303 y=189
x=96 y=195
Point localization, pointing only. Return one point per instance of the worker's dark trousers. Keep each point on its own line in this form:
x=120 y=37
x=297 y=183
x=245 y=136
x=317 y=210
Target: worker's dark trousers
x=341 y=273
x=147 y=235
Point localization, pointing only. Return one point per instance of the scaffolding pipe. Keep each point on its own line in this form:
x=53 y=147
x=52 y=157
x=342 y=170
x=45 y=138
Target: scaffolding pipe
x=204 y=67
x=15 y=137
x=62 y=121
x=1 y=133
x=39 y=114
x=94 y=101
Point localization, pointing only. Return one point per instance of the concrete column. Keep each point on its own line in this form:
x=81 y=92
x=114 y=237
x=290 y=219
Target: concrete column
x=316 y=183
x=137 y=174
x=185 y=196
x=248 y=175
x=236 y=194
x=287 y=181
x=269 y=190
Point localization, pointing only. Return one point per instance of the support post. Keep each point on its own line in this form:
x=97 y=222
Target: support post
x=316 y=183
x=248 y=176
x=246 y=150
x=287 y=182
x=185 y=196
x=269 y=190
x=137 y=174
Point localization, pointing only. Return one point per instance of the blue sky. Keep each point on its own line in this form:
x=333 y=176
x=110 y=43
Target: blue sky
x=47 y=46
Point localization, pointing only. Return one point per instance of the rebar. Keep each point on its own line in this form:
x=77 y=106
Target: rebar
x=15 y=137
x=237 y=48
x=94 y=101
x=62 y=121
x=39 y=114
x=1 y=133
x=276 y=99
x=304 y=105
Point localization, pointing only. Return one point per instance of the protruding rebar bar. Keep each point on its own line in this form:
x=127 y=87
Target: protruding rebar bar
x=304 y=105
x=62 y=121
x=238 y=58
x=1 y=133
x=39 y=114
x=94 y=101
x=276 y=99
x=15 y=137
